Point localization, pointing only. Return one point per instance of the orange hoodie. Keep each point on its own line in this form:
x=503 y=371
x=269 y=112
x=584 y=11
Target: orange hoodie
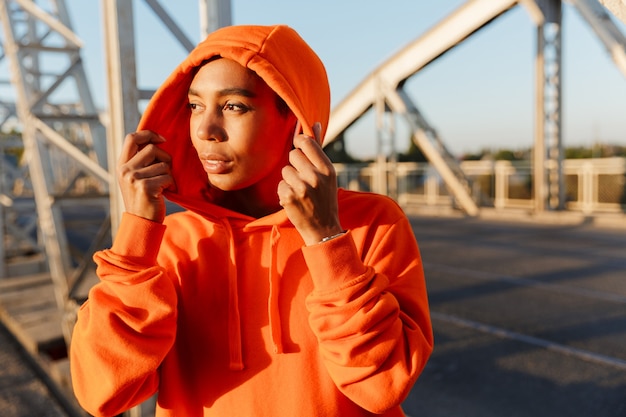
x=228 y=315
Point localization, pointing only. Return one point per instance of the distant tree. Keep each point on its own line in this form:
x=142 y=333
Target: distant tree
x=498 y=155
x=474 y=156
x=596 y=151
x=504 y=155
x=12 y=152
x=412 y=154
x=512 y=155
x=577 y=152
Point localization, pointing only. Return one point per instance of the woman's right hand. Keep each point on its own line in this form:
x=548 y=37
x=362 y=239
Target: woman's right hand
x=143 y=172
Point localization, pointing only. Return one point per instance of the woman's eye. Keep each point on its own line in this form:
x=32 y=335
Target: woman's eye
x=193 y=107
x=236 y=107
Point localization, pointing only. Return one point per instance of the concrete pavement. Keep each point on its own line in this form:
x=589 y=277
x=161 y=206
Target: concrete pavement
x=529 y=319
x=22 y=392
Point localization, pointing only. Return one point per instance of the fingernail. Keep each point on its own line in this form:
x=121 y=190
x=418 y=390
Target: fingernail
x=317 y=130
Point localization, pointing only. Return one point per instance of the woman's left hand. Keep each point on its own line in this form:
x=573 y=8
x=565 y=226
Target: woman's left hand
x=308 y=190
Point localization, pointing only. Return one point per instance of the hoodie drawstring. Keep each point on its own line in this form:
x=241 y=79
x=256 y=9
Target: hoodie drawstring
x=234 y=319
x=272 y=302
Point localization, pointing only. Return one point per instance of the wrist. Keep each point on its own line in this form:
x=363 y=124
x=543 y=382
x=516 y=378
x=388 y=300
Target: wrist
x=331 y=237
x=314 y=236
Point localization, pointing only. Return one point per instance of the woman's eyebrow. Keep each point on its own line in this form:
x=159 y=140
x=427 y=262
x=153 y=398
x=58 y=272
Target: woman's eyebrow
x=235 y=91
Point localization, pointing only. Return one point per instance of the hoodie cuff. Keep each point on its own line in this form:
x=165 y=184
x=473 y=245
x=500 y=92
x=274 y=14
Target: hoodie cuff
x=334 y=263
x=138 y=238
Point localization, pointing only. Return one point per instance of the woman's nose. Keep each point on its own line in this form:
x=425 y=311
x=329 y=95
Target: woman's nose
x=210 y=128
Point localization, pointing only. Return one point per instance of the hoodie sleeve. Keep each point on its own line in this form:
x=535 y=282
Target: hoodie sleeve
x=128 y=324
x=370 y=314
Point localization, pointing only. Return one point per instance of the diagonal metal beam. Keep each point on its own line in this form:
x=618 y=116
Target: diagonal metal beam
x=617 y=7
x=469 y=18
x=57 y=26
x=607 y=31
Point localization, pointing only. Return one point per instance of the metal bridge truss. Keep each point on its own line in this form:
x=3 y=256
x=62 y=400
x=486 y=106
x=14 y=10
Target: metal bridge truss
x=60 y=203
x=64 y=149
x=386 y=85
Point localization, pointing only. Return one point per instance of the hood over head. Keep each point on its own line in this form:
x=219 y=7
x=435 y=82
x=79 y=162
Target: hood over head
x=277 y=54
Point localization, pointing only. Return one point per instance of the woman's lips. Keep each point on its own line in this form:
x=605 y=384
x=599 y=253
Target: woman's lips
x=215 y=164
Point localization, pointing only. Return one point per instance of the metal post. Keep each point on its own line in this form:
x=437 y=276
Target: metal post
x=553 y=96
x=381 y=157
x=539 y=158
x=122 y=89
x=214 y=14
x=549 y=188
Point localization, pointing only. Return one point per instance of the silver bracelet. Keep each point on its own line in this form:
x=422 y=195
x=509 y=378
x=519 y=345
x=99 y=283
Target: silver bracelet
x=326 y=239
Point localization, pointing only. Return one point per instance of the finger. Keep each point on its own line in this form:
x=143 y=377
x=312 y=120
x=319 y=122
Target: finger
x=147 y=162
x=297 y=130
x=149 y=182
x=151 y=154
x=285 y=194
x=296 y=181
x=301 y=165
x=136 y=141
x=153 y=170
x=317 y=132
x=148 y=156
x=313 y=153
x=153 y=186
x=166 y=183
x=133 y=176
x=293 y=201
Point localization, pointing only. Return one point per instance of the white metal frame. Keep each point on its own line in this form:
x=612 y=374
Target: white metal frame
x=387 y=81
x=63 y=140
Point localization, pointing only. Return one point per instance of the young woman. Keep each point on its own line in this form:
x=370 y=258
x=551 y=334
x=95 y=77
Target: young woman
x=273 y=293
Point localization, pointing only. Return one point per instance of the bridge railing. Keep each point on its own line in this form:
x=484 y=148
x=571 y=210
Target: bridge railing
x=595 y=185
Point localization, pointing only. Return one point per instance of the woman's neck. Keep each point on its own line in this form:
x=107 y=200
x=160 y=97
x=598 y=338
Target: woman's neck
x=249 y=202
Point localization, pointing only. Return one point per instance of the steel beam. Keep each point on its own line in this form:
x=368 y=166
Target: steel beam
x=607 y=31
x=465 y=21
x=62 y=142
x=617 y=7
x=548 y=180
x=123 y=93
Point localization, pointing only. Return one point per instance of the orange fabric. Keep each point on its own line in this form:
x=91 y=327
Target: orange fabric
x=276 y=53
x=224 y=314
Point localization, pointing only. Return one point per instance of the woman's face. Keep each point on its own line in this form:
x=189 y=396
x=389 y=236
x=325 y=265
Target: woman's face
x=240 y=136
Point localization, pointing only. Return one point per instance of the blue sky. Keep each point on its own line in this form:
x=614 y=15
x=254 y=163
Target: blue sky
x=479 y=95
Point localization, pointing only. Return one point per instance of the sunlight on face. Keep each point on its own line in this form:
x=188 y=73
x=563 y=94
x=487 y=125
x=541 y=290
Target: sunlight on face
x=241 y=138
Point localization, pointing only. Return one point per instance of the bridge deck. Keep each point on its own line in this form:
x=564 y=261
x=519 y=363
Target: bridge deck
x=29 y=310
x=529 y=319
